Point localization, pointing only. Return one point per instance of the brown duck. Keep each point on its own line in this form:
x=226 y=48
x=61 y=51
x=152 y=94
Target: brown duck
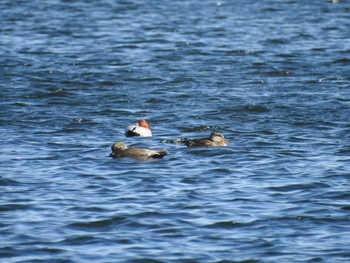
x=119 y=150
x=215 y=139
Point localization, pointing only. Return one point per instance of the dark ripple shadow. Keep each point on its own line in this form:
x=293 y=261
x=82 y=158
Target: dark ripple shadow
x=82 y=240
x=246 y=108
x=299 y=187
x=101 y=225
x=50 y=94
x=10 y=252
x=8 y=182
x=38 y=253
x=223 y=225
x=13 y=207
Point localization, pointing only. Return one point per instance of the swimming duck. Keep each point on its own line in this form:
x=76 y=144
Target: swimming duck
x=119 y=150
x=141 y=128
x=215 y=139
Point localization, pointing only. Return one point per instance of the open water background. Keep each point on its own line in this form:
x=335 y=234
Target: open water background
x=272 y=75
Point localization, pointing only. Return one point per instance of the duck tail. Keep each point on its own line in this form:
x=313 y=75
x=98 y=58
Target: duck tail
x=160 y=154
x=131 y=134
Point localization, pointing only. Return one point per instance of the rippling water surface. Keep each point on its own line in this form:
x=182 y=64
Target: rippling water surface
x=272 y=76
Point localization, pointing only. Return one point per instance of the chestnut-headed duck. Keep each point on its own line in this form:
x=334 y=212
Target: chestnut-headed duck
x=215 y=139
x=119 y=150
x=141 y=128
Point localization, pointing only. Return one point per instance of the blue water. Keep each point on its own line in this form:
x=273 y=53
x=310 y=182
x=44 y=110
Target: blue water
x=272 y=76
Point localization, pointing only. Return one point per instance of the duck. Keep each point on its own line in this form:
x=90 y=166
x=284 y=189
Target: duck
x=120 y=150
x=215 y=139
x=142 y=129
